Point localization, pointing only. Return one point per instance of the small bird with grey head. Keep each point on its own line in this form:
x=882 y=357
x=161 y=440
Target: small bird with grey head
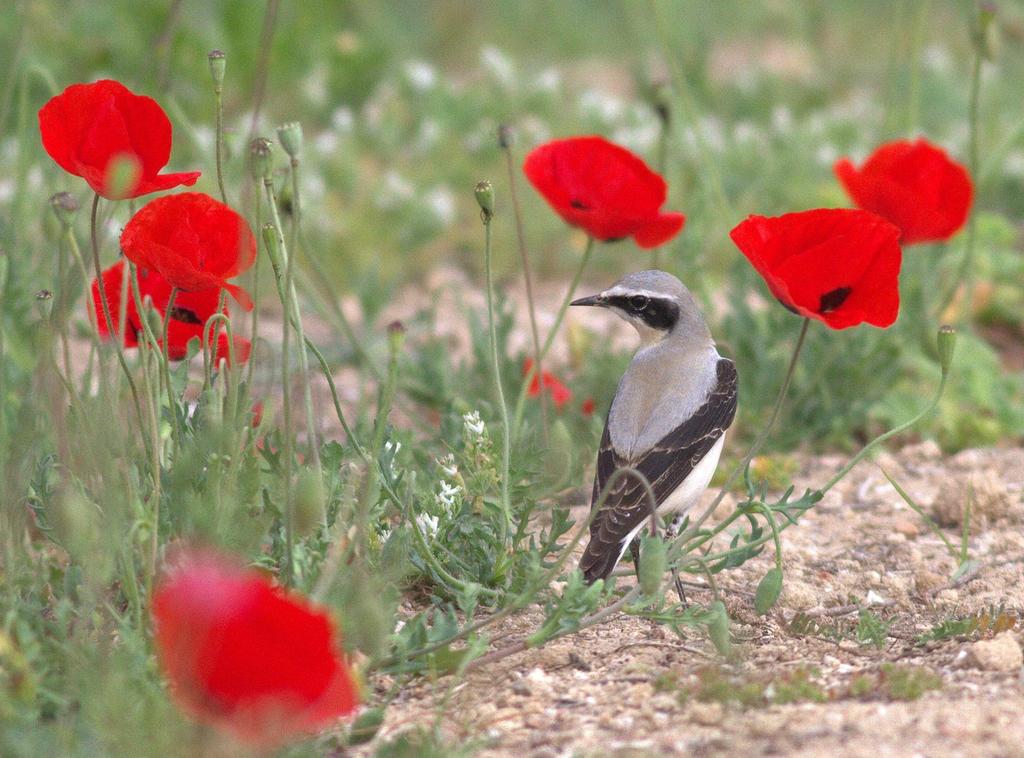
x=668 y=417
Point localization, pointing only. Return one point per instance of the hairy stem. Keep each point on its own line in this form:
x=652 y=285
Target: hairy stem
x=528 y=379
x=524 y=255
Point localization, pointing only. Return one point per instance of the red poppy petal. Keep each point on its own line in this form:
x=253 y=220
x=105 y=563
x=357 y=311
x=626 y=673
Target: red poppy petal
x=915 y=185
x=659 y=231
x=600 y=187
x=241 y=346
x=245 y=656
x=240 y=295
x=162 y=182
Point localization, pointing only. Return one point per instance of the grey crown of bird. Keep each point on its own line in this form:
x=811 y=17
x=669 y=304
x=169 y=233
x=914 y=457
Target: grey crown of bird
x=667 y=419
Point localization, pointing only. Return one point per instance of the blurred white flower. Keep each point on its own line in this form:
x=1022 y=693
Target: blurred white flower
x=6 y=190
x=474 y=424
x=499 y=65
x=395 y=190
x=427 y=524
x=640 y=139
x=549 y=80
x=937 y=58
x=782 y=119
x=421 y=75
x=343 y=119
x=448 y=466
x=314 y=86
x=326 y=143
x=441 y=203
x=598 y=103
x=1014 y=164
x=205 y=137
x=826 y=154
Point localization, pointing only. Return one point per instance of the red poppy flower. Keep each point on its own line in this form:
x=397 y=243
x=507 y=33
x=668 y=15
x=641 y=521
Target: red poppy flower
x=604 y=189
x=191 y=310
x=915 y=185
x=560 y=394
x=245 y=656
x=588 y=407
x=89 y=128
x=840 y=266
x=193 y=241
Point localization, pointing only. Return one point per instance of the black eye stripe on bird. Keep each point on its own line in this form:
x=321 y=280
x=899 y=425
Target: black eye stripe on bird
x=673 y=434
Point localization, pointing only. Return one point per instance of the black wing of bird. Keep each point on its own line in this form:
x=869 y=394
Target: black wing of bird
x=665 y=465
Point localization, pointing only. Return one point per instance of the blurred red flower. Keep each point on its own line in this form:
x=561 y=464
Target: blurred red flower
x=560 y=394
x=193 y=241
x=89 y=128
x=588 y=407
x=915 y=185
x=604 y=189
x=840 y=266
x=243 y=655
x=191 y=310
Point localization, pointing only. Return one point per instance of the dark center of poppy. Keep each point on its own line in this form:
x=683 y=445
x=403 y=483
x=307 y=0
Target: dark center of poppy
x=832 y=300
x=579 y=205
x=184 y=315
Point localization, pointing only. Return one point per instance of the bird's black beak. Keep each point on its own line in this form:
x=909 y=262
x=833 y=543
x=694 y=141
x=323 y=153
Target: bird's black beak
x=592 y=300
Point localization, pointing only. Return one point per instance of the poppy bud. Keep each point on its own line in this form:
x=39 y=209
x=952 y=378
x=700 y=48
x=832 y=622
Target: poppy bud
x=987 y=31
x=122 y=175
x=64 y=206
x=947 y=341
x=718 y=627
x=261 y=158
x=290 y=137
x=768 y=591
x=309 y=502
x=652 y=563
x=218 y=61
x=273 y=247
x=396 y=336
x=505 y=136
x=485 y=197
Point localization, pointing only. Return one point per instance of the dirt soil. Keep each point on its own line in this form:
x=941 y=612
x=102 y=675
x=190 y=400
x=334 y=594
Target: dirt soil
x=632 y=687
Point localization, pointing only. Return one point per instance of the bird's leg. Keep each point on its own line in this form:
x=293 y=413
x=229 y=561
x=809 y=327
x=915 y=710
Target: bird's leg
x=634 y=550
x=670 y=534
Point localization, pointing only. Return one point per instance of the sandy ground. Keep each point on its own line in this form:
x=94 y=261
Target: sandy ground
x=632 y=687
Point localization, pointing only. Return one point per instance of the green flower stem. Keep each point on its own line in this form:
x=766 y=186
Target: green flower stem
x=499 y=392
x=254 y=322
x=105 y=306
x=165 y=365
x=528 y=379
x=371 y=487
x=755 y=448
x=220 y=144
x=524 y=255
x=891 y=433
x=294 y=316
x=965 y=274
x=150 y=346
x=210 y=338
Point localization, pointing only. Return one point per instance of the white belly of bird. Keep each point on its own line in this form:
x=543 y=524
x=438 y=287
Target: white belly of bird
x=686 y=494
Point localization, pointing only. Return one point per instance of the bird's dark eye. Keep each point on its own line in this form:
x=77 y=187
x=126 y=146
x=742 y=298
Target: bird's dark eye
x=639 y=302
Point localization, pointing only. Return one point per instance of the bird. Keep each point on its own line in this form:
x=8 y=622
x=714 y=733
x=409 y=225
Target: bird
x=667 y=420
